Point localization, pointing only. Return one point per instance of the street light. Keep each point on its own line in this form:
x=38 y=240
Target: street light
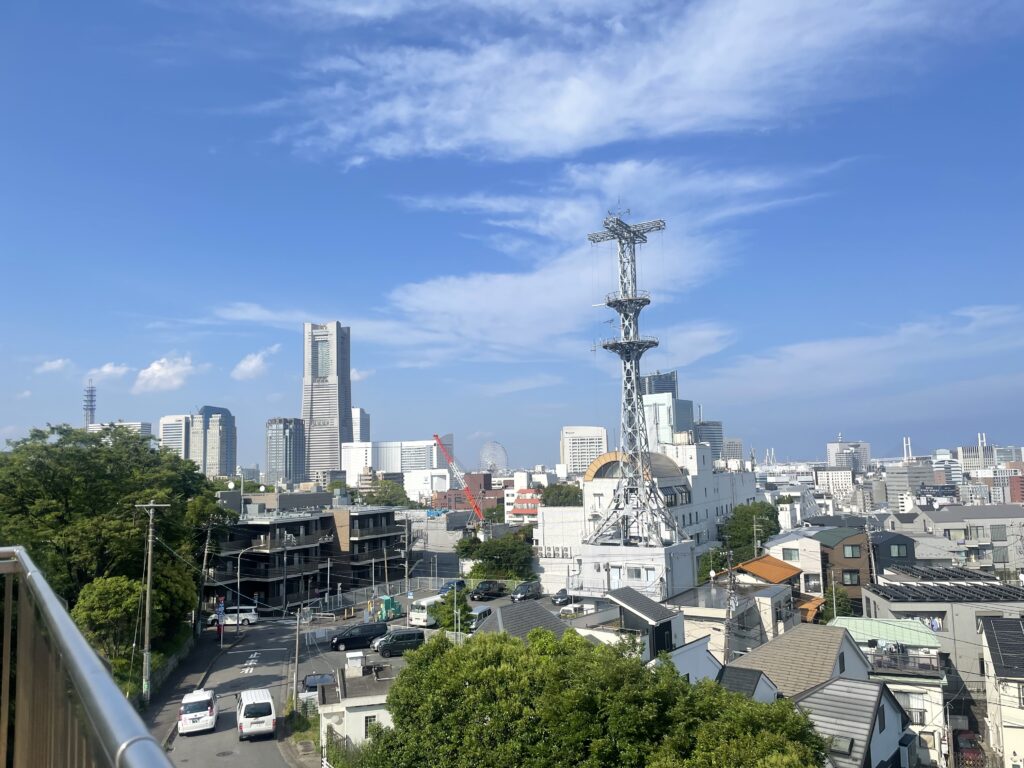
x=238 y=587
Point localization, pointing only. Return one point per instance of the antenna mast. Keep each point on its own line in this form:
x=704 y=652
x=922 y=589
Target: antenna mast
x=637 y=515
x=89 y=404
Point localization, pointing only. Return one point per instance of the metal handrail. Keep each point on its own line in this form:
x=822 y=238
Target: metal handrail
x=121 y=738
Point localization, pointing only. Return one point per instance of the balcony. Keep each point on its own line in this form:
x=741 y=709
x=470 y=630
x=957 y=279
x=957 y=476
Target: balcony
x=905 y=664
x=66 y=709
x=917 y=716
x=380 y=530
x=226 y=575
x=365 y=558
x=275 y=543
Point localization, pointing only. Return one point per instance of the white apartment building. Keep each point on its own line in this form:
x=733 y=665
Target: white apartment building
x=836 y=480
x=175 y=432
x=579 y=446
x=394 y=456
x=141 y=427
x=422 y=484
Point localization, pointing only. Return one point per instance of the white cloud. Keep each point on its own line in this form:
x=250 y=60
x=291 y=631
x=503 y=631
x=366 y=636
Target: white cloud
x=522 y=384
x=358 y=375
x=25 y=394
x=254 y=365
x=163 y=375
x=601 y=73
x=108 y=371
x=53 y=366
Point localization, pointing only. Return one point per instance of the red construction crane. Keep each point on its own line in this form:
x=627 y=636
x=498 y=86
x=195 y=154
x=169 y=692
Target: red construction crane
x=461 y=477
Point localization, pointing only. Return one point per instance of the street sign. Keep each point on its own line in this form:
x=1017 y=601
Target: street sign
x=410 y=595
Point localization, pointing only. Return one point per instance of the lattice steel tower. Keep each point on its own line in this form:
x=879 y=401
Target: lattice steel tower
x=637 y=515
x=89 y=404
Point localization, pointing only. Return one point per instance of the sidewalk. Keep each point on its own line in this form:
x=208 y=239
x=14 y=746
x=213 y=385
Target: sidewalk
x=161 y=717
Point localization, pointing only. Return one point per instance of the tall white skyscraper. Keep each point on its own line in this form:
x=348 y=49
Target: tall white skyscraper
x=326 y=396
x=175 y=433
x=286 y=450
x=579 y=446
x=213 y=441
x=665 y=415
x=360 y=426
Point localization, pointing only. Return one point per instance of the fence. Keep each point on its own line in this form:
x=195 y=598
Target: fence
x=358 y=598
x=66 y=711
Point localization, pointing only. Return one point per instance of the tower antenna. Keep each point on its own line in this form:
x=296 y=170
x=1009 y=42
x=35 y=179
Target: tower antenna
x=89 y=404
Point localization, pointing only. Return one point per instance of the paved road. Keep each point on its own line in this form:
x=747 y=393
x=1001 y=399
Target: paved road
x=260 y=660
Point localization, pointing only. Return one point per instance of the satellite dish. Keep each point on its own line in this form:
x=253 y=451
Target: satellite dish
x=263 y=488
x=231 y=485
x=711 y=574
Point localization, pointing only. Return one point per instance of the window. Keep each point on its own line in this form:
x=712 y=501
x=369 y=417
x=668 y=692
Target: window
x=789 y=555
x=977 y=532
x=851 y=550
x=1020 y=696
x=998 y=532
x=897 y=550
x=981 y=665
x=842 y=662
x=812 y=582
x=633 y=573
x=367 y=722
x=881 y=719
x=1000 y=555
x=851 y=578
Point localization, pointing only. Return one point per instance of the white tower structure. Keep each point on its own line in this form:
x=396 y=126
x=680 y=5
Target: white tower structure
x=637 y=514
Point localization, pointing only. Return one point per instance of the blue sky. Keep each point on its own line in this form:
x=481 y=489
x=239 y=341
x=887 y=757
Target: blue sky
x=183 y=183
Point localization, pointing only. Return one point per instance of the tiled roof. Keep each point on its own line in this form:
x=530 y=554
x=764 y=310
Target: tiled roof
x=953 y=513
x=906 y=631
x=769 y=569
x=799 y=659
x=739 y=679
x=843 y=711
x=1005 y=638
x=641 y=605
x=832 y=536
x=809 y=607
x=519 y=618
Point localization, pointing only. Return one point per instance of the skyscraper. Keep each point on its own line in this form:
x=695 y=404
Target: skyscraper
x=666 y=415
x=732 y=448
x=286 y=451
x=579 y=446
x=710 y=432
x=175 y=433
x=360 y=426
x=658 y=383
x=326 y=396
x=849 y=454
x=213 y=441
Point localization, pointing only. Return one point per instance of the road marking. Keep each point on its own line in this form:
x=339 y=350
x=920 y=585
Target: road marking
x=261 y=650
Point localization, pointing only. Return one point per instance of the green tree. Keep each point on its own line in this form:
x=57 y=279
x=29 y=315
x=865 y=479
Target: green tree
x=560 y=703
x=507 y=557
x=495 y=514
x=445 y=611
x=107 y=612
x=838 y=597
x=467 y=548
x=387 y=494
x=737 y=533
x=562 y=495
x=716 y=560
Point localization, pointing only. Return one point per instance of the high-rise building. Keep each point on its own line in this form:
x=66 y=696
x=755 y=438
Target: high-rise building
x=665 y=415
x=213 y=441
x=710 y=432
x=360 y=426
x=175 y=433
x=286 y=451
x=848 y=454
x=903 y=481
x=326 y=396
x=394 y=456
x=579 y=446
x=658 y=383
x=732 y=448
x=141 y=427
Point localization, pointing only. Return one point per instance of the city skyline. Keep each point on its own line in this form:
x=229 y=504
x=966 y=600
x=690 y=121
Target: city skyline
x=818 y=200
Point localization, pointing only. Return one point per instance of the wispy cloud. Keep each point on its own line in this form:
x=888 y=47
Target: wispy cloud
x=165 y=374
x=521 y=384
x=25 y=394
x=53 y=366
x=361 y=375
x=254 y=365
x=591 y=74
x=108 y=371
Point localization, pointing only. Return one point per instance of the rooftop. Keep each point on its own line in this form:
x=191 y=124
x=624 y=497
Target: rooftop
x=843 y=710
x=830 y=537
x=711 y=595
x=518 y=619
x=909 y=632
x=739 y=679
x=770 y=569
x=641 y=605
x=1005 y=638
x=799 y=659
x=938 y=573
x=954 y=513
x=948 y=593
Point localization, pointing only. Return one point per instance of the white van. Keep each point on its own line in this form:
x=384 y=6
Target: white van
x=198 y=712
x=478 y=614
x=244 y=615
x=419 y=612
x=255 y=714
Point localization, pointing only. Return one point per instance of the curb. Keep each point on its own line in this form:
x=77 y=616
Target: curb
x=166 y=741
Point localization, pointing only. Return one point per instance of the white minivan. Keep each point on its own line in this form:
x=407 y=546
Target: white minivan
x=255 y=714
x=198 y=712
x=244 y=615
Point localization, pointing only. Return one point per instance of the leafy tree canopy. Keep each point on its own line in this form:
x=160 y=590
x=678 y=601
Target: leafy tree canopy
x=507 y=557
x=387 y=493
x=550 y=703
x=107 y=612
x=562 y=495
x=738 y=531
x=444 y=612
x=840 y=598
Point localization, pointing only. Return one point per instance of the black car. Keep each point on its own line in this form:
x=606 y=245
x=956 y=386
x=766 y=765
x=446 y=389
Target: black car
x=487 y=590
x=448 y=586
x=358 y=636
x=398 y=641
x=562 y=597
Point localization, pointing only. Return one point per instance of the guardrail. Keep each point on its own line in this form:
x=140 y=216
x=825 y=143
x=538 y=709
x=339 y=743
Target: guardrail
x=66 y=710
x=905 y=664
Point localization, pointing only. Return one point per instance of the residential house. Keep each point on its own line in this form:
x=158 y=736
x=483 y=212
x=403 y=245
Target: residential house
x=763 y=570
x=863 y=722
x=823 y=552
x=355 y=702
x=904 y=654
x=694 y=660
x=892 y=548
x=807 y=656
x=752 y=683
x=985 y=535
x=801 y=550
x=1003 y=654
x=657 y=628
x=519 y=619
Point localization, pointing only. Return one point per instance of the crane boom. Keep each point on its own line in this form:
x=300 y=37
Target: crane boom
x=461 y=477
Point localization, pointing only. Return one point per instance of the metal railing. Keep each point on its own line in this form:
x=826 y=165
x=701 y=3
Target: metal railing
x=377 y=530
x=905 y=664
x=67 y=711
x=274 y=543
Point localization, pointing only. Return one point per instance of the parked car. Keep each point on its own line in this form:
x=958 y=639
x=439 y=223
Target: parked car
x=478 y=615
x=198 y=712
x=244 y=615
x=358 y=636
x=310 y=683
x=488 y=589
x=398 y=641
x=562 y=597
x=448 y=586
x=527 y=590
x=970 y=752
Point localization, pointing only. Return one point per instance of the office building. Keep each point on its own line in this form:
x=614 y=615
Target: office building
x=360 y=426
x=394 y=456
x=665 y=416
x=141 y=427
x=710 y=432
x=326 y=396
x=968 y=457
x=848 y=454
x=903 y=481
x=579 y=446
x=659 y=383
x=175 y=432
x=213 y=441
x=836 y=480
x=732 y=448
x=286 y=451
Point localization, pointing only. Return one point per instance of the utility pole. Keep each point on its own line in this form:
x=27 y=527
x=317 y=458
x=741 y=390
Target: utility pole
x=295 y=677
x=328 y=593
x=728 y=609
x=202 y=584
x=408 y=552
x=146 y=655
x=832 y=571
x=387 y=588
x=871 y=556
x=284 y=588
